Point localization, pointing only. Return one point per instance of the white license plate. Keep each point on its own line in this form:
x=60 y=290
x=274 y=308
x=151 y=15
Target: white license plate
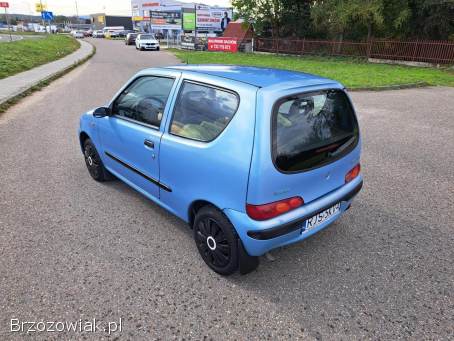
x=321 y=217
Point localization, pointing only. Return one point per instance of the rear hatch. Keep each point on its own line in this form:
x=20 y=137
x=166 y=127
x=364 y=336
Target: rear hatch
x=314 y=138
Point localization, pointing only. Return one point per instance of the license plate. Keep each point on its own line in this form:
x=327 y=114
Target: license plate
x=320 y=218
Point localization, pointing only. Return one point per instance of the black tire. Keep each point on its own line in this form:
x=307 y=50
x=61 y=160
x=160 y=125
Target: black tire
x=94 y=163
x=157 y=49
x=141 y=48
x=216 y=240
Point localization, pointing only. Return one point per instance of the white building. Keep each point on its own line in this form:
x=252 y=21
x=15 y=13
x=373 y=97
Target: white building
x=166 y=16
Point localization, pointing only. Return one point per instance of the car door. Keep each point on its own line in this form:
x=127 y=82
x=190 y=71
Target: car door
x=130 y=137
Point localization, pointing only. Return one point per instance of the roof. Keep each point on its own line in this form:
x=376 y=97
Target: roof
x=257 y=76
x=238 y=30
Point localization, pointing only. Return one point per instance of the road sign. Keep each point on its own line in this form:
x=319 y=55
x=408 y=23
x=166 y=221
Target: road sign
x=48 y=16
x=4 y=4
x=40 y=7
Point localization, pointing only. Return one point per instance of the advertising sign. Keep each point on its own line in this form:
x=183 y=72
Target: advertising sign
x=164 y=18
x=210 y=18
x=224 y=44
x=4 y=4
x=188 y=19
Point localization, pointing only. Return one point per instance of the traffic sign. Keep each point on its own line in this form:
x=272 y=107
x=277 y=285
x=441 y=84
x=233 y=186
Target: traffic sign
x=4 y=4
x=39 y=7
x=47 y=15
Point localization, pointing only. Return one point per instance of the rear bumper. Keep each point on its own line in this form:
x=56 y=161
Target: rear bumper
x=259 y=237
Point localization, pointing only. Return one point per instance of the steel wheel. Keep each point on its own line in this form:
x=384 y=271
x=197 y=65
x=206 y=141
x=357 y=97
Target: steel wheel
x=92 y=160
x=216 y=240
x=212 y=243
x=94 y=163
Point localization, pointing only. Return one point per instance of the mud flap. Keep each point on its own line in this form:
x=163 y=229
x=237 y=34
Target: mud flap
x=247 y=263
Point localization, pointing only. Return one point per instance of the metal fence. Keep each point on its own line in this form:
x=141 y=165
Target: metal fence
x=418 y=51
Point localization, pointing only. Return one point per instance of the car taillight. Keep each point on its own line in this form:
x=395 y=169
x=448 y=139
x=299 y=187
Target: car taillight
x=353 y=173
x=273 y=209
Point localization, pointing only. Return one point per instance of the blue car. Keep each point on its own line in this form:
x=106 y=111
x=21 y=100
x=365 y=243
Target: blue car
x=251 y=158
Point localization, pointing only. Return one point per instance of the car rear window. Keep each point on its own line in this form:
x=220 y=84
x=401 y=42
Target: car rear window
x=312 y=129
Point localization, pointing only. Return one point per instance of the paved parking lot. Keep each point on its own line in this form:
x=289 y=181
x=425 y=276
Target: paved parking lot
x=75 y=249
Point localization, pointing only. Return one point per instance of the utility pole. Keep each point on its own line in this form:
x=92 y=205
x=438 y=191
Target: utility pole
x=195 y=27
x=9 y=26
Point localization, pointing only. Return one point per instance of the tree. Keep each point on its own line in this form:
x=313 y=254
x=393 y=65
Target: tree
x=261 y=12
x=337 y=15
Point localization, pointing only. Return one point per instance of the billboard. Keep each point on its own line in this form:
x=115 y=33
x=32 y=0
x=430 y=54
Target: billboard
x=188 y=19
x=210 y=18
x=163 y=18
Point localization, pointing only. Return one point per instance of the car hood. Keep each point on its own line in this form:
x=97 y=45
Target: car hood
x=149 y=41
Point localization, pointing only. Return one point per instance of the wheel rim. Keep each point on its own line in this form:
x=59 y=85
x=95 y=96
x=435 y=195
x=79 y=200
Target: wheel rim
x=212 y=243
x=92 y=160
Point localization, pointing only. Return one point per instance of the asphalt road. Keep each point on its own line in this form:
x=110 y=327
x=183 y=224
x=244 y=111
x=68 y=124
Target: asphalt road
x=71 y=248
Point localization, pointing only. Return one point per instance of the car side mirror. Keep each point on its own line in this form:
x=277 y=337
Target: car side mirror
x=101 y=112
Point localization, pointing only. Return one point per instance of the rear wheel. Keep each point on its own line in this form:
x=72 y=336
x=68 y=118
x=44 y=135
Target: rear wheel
x=216 y=240
x=94 y=163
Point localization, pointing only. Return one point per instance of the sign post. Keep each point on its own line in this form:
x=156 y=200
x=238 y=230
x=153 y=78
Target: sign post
x=5 y=5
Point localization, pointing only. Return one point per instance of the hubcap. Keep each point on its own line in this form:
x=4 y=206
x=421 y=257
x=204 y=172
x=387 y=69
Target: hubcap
x=212 y=243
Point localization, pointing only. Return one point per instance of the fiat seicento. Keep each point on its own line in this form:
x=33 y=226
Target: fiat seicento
x=251 y=158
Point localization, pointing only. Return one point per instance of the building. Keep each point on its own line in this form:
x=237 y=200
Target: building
x=172 y=18
x=101 y=20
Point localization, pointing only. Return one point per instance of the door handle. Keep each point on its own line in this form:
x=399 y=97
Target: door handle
x=149 y=144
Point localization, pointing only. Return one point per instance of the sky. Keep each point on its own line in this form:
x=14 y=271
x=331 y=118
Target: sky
x=68 y=7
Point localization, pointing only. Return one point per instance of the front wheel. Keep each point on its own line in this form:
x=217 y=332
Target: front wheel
x=94 y=163
x=157 y=49
x=216 y=240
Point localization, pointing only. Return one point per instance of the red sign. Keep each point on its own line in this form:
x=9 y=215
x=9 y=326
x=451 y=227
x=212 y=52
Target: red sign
x=4 y=4
x=223 y=44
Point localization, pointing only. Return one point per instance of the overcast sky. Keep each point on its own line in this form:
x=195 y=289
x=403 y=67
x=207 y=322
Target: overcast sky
x=68 y=7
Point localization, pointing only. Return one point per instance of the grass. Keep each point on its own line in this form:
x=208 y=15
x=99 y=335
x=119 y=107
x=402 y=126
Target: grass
x=9 y=103
x=22 y=55
x=353 y=73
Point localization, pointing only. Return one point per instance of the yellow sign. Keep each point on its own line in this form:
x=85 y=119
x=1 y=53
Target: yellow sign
x=101 y=19
x=40 y=7
x=137 y=18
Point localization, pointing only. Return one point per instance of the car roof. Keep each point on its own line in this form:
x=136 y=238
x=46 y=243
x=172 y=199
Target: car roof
x=257 y=76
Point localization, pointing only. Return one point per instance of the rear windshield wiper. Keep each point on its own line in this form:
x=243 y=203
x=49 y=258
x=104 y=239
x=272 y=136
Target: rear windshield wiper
x=343 y=146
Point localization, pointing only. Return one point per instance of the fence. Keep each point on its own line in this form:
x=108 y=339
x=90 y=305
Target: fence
x=417 y=51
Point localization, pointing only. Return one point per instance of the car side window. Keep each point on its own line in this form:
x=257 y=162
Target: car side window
x=144 y=100
x=202 y=112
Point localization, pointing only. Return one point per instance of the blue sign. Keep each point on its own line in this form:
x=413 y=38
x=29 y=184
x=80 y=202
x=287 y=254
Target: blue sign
x=47 y=15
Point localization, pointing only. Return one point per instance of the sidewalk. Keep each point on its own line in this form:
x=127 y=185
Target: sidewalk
x=15 y=85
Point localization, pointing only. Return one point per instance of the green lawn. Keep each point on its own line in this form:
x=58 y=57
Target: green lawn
x=353 y=73
x=25 y=54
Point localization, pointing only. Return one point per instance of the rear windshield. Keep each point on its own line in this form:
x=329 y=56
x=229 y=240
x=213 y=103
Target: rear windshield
x=312 y=129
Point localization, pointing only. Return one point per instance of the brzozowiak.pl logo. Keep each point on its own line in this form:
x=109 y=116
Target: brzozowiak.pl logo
x=78 y=326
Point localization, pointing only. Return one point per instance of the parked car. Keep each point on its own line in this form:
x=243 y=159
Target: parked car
x=252 y=159
x=147 y=41
x=98 y=34
x=78 y=34
x=131 y=38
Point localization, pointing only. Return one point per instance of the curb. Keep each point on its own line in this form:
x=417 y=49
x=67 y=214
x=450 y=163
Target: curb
x=17 y=96
x=391 y=87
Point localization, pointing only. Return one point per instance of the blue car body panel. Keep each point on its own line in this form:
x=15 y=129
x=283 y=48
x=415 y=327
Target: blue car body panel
x=236 y=167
